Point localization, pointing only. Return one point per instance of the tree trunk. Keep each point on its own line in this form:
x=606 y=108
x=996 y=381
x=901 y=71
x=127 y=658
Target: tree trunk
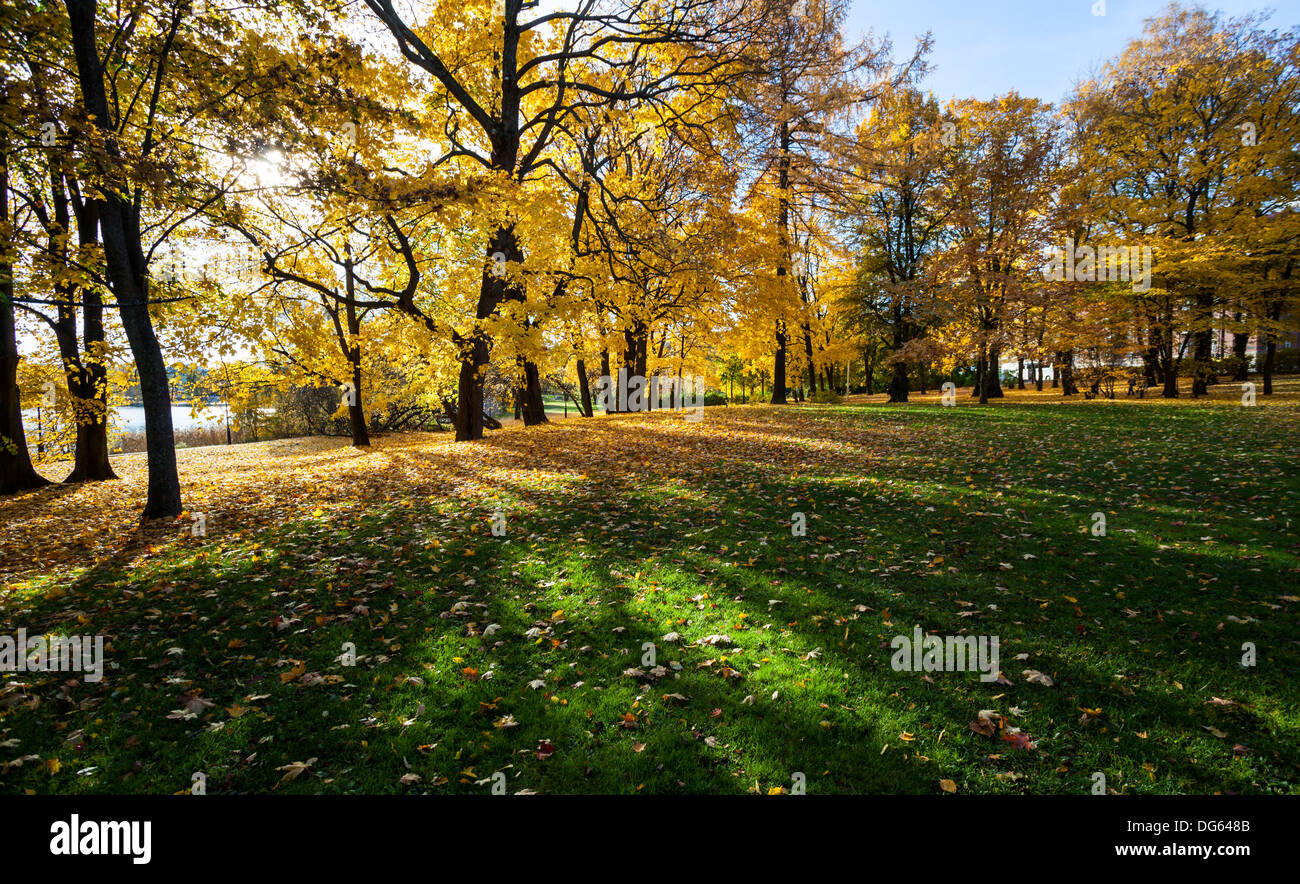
x=1274 y=313
x=1169 y=371
x=584 y=389
x=611 y=403
x=84 y=365
x=476 y=349
x=993 y=375
x=983 y=378
x=778 y=366
x=91 y=462
x=87 y=385
x=87 y=378
x=16 y=470
x=1270 y=357
x=475 y=353
x=356 y=409
x=534 y=404
x=1151 y=365
x=1203 y=350
x=1202 y=366
x=1241 y=366
x=1065 y=368
x=808 y=352
x=898 y=383
x=783 y=268
x=636 y=354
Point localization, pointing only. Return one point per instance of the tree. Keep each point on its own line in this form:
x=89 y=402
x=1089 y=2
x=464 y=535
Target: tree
x=1195 y=130
x=806 y=79
x=118 y=206
x=1003 y=170
x=903 y=223
x=66 y=268
x=16 y=470
x=510 y=89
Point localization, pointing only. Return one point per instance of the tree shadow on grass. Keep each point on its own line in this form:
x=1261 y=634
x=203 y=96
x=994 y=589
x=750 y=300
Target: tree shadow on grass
x=284 y=601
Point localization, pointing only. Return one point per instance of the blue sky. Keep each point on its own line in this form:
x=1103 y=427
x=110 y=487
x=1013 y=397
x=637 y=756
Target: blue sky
x=1040 y=48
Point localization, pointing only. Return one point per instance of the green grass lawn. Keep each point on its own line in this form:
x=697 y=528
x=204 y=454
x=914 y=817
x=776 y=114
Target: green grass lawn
x=522 y=654
x=554 y=405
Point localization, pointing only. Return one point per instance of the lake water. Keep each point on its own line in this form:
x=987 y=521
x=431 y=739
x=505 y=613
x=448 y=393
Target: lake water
x=130 y=418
